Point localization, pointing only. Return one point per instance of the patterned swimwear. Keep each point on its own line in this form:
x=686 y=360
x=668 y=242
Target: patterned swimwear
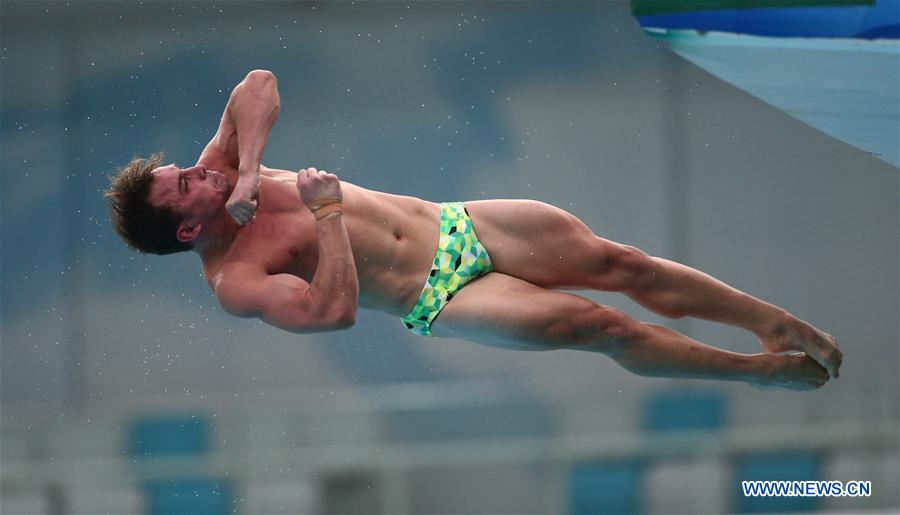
x=460 y=258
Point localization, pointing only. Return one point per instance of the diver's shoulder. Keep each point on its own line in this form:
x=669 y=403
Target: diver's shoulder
x=230 y=269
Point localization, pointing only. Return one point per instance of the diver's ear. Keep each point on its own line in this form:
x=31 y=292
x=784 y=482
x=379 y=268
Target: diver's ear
x=187 y=232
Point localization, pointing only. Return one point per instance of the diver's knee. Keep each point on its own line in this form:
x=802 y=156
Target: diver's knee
x=619 y=267
x=604 y=329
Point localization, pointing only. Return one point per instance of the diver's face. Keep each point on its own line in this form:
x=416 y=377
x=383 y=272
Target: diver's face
x=195 y=193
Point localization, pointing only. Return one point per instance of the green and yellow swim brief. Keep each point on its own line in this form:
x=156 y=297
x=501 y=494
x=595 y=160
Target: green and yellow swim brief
x=460 y=257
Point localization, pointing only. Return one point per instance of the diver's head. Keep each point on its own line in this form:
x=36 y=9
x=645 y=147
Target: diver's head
x=163 y=209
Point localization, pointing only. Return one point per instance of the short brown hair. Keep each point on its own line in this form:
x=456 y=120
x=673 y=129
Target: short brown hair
x=142 y=226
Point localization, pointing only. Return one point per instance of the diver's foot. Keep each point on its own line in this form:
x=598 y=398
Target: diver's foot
x=796 y=335
x=794 y=371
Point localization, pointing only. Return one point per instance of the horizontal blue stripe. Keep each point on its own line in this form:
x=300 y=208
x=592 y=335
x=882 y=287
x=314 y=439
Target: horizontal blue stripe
x=881 y=20
x=162 y=435
x=685 y=411
x=776 y=466
x=615 y=486
x=195 y=496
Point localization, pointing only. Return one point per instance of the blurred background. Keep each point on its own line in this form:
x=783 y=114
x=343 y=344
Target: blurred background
x=126 y=389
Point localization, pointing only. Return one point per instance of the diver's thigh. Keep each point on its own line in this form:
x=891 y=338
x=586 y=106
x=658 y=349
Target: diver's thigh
x=534 y=241
x=499 y=310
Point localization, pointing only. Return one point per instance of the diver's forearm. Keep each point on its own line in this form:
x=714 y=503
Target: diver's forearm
x=254 y=106
x=335 y=284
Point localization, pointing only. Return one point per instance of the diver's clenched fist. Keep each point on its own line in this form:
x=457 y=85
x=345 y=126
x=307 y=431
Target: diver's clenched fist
x=244 y=200
x=320 y=191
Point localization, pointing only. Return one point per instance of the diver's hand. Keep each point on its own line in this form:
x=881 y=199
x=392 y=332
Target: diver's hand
x=244 y=199
x=320 y=191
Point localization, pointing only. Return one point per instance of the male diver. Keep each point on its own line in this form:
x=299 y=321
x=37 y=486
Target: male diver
x=302 y=251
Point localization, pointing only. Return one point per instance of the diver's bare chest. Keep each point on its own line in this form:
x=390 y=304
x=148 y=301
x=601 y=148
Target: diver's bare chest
x=283 y=244
x=282 y=237
x=289 y=251
x=279 y=243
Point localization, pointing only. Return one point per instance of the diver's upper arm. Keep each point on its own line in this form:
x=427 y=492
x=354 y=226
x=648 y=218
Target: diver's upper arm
x=257 y=92
x=282 y=300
